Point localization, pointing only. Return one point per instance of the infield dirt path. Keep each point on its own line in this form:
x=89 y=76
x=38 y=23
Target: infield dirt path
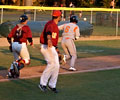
x=3 y=41
x=82 y=64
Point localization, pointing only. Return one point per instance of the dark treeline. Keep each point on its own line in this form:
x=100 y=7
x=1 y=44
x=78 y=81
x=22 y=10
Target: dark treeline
x=77 y=3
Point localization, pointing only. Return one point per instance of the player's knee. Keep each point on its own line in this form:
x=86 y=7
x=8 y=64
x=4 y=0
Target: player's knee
x=57 y=64
x=68 y=56
x=27 y=61
x=56 y=68
x=74 y=56
x=50 y=63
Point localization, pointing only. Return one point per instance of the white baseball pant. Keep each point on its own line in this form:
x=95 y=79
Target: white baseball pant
x=20 y=51
x=52 y=69
x=70 y=50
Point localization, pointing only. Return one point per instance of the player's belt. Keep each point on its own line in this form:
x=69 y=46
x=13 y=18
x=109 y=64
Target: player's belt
x=67 y=38
x=20 y=42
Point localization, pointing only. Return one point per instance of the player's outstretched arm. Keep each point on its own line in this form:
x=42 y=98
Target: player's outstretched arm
x=61 y=27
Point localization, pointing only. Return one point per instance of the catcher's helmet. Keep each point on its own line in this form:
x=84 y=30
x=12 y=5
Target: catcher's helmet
x=73 y=18
x=23 y=18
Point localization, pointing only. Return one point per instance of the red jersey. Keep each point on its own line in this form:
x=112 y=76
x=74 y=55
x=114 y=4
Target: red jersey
x=50 y=27
x=25 y=33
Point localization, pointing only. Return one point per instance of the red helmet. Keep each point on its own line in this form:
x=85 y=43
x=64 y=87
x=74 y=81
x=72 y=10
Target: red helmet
x=56 y=13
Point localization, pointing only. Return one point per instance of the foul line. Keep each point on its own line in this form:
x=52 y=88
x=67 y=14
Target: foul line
x=63 y=73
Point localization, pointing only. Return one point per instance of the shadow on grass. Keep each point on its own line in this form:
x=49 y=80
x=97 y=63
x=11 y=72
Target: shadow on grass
x=5 y=51
x=38 y=59
x=3 y=68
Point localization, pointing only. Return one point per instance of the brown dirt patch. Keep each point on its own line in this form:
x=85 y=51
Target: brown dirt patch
x=3 y=41
x=82 y=65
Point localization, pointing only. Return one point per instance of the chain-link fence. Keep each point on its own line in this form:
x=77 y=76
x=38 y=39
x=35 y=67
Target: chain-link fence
x=105 y=22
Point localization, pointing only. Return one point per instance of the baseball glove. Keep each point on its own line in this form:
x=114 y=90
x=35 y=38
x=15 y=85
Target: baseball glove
x=62 y=59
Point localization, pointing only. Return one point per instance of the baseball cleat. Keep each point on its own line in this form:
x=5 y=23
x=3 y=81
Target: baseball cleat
x=53 y=89
x=9 y=75
x=43 y=88
x=15 y=65
x=72 y=69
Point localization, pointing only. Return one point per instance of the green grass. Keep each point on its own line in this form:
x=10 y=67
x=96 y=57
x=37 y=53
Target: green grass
x=84 y=49
x=104 y=31
x=102 y=85
x=97 y=48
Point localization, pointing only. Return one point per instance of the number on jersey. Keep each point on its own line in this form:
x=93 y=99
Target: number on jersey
x=67 y=29
x=54 y=35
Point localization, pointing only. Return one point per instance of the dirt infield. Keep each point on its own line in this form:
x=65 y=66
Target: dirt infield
x=82 y=64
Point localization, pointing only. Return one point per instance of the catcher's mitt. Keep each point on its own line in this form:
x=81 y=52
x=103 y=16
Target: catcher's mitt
x=62 y=59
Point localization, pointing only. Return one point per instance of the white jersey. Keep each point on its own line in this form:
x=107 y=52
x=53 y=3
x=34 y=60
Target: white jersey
x=70 y=30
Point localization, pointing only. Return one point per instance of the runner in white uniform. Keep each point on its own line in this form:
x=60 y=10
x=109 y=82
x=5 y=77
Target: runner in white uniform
x=70 y=33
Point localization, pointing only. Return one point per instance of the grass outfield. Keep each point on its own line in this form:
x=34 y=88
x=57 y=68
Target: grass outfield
x=105 y=31
x=101 y=85
x=84 y=49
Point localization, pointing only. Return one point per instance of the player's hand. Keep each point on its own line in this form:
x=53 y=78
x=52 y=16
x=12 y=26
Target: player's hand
x=32 y=46
x=10 y=48
x=49 y=44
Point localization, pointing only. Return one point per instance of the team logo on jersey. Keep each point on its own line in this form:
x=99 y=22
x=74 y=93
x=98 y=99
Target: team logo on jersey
x=54 y=35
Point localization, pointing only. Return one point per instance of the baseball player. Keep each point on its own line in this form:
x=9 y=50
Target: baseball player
x=49 y=41
x=20 y=34
x=70 y=33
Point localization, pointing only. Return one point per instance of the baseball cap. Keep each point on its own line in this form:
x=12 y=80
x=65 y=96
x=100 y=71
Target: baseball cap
x=56 y=13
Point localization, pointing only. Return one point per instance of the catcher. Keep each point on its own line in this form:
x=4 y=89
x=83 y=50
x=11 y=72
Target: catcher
x=20 y=34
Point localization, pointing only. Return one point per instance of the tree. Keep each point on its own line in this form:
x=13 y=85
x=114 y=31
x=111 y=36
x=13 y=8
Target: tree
x=63 y=2
x=106 y=3
x=18 y=2
x=23 y=2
